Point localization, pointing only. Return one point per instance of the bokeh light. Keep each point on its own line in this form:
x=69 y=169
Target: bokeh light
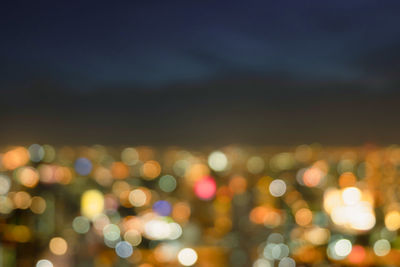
x=15 y=158
x=255 y=165
x=130 y=156
x=187 y=256
x=218 y=161
x=5 y=184
x=382 y=247
x=133 y=237
x=92 y=203
x=278 y=208
x=138 y=197
x=262 y=263
x=81 y=225
x=83 y=166
x=124 y=249
x=342 y=247
x=58 y=246
x=162 y=207
x=351 y=195
x=38 y=205
x=205 y=188
x=303 y=217
x=36 y=152
x=277 y=188
x=151 y=169
x=167 y=183
x=111 y=232
x=287 y=262
x=357 y=254
x=27 y=176
x=44 y=263
x=22 y=200
x=392 y=220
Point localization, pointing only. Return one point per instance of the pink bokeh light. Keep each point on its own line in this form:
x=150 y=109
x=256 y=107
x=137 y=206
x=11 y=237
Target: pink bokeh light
x=205 y=188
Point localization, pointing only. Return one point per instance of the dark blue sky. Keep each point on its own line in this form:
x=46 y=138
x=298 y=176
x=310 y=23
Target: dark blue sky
x=85 y=44
x=200 y=72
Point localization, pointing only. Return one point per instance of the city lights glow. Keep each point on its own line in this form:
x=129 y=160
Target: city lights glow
x=348 y=209
x=134 y=210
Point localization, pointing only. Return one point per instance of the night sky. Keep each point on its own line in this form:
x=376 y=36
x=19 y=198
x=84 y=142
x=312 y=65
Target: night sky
x=200 y=72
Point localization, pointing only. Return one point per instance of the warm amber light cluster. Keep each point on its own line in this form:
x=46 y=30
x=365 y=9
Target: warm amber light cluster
x=233 y=206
